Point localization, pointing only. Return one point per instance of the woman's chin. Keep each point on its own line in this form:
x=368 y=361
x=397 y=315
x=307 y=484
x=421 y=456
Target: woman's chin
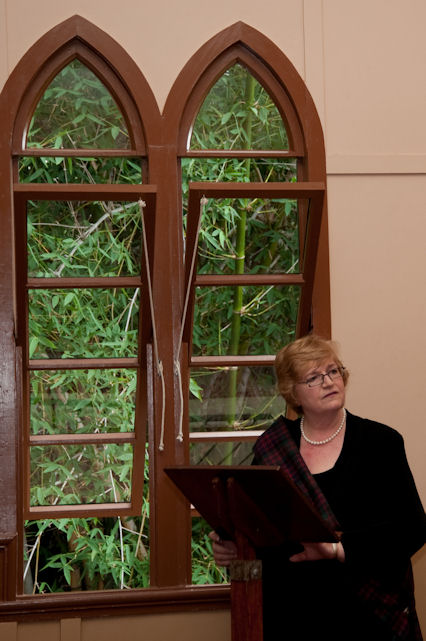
x=333 y=401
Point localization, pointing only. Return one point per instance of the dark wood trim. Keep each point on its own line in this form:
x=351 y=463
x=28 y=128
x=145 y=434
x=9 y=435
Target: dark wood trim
x=321 y=295
x=106 y=282
x=77 y=153
x=90 y=192
x=86 y=511
x=8 y=551
x=239 y=361
x=241 y=153
x=237 y=435
x=253 y=190
x=83 y=363
x=212 y=280
x=116 y=603
x=86 y=439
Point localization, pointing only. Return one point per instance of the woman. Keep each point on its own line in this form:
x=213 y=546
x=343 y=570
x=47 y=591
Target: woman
x=359 y=588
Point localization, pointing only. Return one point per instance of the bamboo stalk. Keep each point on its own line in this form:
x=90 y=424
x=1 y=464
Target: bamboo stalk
x=239 y=264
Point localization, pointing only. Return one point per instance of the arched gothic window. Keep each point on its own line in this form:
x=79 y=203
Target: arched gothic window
x=114 y=329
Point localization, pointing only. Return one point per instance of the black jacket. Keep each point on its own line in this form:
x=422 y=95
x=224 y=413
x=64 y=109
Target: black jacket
x=372 y=493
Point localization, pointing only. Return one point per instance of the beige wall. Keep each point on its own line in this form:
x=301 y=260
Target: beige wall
x=197 y=626
x=364 y=63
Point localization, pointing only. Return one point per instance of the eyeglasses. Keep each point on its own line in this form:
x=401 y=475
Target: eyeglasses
x=318 y=379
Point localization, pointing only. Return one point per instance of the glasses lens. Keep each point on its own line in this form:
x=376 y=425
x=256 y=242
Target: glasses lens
x=318 y=379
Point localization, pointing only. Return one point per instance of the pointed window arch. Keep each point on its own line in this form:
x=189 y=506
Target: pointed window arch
x=76 y=111
x=238 y=113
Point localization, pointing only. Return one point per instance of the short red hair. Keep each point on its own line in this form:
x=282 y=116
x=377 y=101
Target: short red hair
x=294 y=359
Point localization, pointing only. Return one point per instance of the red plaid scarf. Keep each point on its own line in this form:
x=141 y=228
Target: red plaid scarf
x=277 y=447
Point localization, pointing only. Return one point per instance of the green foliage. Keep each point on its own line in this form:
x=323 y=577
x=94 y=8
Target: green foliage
x=74 y=474
x=87 y=554
x=222 y=120
x=83 y=239
x=68 y=239
x=82 y=401
x=267 y=314
x=204 y=569
x=77 y=111
x=60 y=169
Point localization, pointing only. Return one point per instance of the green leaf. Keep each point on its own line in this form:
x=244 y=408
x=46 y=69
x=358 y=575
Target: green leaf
x=67 y=573
x=33 y=346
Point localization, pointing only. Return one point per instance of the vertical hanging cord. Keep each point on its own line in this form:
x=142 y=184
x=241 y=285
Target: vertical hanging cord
x=179 y=437
x=158 y=363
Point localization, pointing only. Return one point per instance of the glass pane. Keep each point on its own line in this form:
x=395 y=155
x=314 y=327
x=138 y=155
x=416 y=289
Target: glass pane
x=221 y=453
x=80 y=474
x=233 y=398
x=77 y=112
x=204 y=569
x=83 y=323
x=271 y=239
x=48 y=169
x=254 y=236
x=83 y=239
x=238 y=113
x=82 y=401
x=86 y=554
x=237 y=170
x=244 y=320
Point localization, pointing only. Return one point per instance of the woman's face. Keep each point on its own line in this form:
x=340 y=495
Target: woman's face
x=328 y=396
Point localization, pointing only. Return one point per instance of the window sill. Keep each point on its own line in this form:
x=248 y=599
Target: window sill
x=116 y=602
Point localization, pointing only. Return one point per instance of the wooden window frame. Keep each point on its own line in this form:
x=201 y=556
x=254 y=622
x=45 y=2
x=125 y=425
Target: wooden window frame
x=162 y=141
x=87 y=193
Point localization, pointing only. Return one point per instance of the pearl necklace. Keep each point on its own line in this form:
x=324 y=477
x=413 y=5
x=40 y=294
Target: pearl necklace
x=326 y=440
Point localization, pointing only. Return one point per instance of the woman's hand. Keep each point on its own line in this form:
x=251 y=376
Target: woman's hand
x=223 y=551
x=320 y=551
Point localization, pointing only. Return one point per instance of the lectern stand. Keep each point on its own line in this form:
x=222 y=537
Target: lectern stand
x=255 y=506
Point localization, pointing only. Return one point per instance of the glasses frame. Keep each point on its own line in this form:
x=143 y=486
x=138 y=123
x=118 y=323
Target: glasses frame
x=321 y=377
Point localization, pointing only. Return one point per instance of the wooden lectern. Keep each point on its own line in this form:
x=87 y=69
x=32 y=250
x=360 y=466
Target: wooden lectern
x=255 y=506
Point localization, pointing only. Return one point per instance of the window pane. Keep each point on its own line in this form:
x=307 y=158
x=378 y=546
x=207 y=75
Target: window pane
x=86 y=554
x=74 y=474
x=254 y=236
x=82 y=401
x=237 y=170
x=233 y=398
x=244 y=320
x=83 y=239
x=48 y=169
x=83 y=323
x=238 y=114
x=214 y=452
x=77 y=112
x=204 y=568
